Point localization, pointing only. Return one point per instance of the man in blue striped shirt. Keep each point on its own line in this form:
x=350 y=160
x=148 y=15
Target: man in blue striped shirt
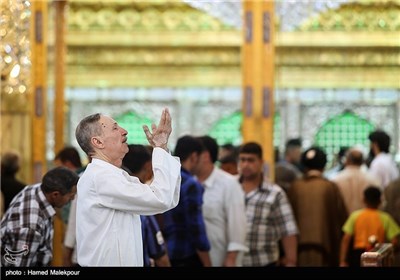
x=183 y=226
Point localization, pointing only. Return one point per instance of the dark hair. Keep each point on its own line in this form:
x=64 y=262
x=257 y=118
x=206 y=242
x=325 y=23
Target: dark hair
x=251 y=148
x=186 y=145
x=10 y=163
x=210 y=145
x=69 y=154
x=381 y=138
x=228 y=146
x=228 y=159
x=294 y=142
x=314 y=158
x=86 y=129
x=372 y=196
x=136 y=157
x=59 y=179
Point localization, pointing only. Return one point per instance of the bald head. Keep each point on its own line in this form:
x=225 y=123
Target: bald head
x=354 y=157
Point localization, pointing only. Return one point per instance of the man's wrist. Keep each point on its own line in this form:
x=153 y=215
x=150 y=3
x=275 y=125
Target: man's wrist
x=163 y=147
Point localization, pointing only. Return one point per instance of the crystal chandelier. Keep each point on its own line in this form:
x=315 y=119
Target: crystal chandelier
x=290 y=13
x=15 y=61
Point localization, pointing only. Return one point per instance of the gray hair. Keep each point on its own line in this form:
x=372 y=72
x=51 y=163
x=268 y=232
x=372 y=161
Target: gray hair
x=86 y=129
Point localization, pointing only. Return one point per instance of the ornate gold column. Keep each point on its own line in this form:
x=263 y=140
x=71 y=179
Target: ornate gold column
x=59 y=73
x=39 y=87
x=258 y=77
x=59 y=112
x=39 y=101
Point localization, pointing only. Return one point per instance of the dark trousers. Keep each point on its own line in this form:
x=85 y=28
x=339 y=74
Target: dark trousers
x=355 y=257
x=192 y=261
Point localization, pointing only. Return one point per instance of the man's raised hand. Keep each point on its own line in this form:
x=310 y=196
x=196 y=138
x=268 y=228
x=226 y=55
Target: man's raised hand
x=158 y=137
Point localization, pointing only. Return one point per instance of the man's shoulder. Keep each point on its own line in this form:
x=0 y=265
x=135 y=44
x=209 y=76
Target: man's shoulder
x=191 y=181
x=222 y=175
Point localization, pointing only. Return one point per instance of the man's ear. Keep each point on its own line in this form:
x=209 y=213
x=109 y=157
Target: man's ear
x=54 y=195
x=96 y=142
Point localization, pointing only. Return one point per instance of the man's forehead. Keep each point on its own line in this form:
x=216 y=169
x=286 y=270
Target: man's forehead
x=247 y=155
x=107 y=120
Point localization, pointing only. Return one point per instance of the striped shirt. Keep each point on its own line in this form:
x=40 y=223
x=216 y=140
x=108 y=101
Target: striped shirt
x=184 y=228
x=27 y=230
x=269 y=218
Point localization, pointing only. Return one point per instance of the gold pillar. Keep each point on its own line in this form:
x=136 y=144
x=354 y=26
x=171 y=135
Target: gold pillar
x=59 y=73
x=39 y=101
x=39 y=88
x=59 y=112
x=258 y=77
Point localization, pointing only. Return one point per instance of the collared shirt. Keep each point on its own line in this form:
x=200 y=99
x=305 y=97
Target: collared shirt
x=352 y=182
x=27 y=230
x=109 y=203
x=384 y=168
x=70 y=233
x=184 y=228
x=224 y=215
x=269 y=218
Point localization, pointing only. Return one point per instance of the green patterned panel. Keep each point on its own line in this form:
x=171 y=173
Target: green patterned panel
x=133 y=123
x=344 y=130
x=228 y=129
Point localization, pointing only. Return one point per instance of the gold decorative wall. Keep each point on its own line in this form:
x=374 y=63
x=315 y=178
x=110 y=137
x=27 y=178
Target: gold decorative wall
x=170 y=44
x=354 y=46
x=147 y=44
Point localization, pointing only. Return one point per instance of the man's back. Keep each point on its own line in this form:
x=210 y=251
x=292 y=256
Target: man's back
x=320 y=212
x=10 y=187
x=392 y=195
x=183 y=226
x=28 y=220
x=384 y=168
x=352 y=182
x=224 y=215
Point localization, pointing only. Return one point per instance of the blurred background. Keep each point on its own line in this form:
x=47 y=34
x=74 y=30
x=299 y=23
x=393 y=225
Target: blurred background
x=333 y=73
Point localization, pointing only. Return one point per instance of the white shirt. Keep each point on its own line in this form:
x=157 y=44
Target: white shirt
x=108 y=227
x=384 y=168
x=70 y=233
x=352 y=182
x=224 y=215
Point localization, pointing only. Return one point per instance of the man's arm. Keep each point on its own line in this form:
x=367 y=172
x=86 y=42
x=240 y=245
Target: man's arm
x=70 y=236
x=344 y=248
x=67 y=256
x=25 y=248
x=155 y=243
x=236 y=222
x=290 y=247
x=230 y=259
x=204 y=257
x=162 y=261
